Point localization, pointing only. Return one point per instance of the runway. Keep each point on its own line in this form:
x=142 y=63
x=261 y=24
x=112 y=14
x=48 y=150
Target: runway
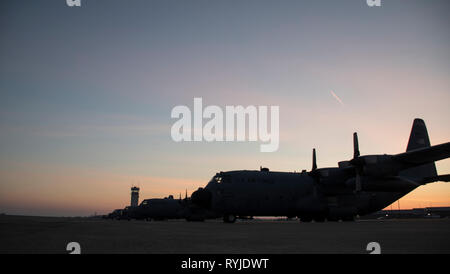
x=21 y=234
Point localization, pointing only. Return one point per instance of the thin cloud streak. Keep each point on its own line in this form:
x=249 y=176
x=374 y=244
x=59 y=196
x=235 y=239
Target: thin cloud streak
x=336 y=97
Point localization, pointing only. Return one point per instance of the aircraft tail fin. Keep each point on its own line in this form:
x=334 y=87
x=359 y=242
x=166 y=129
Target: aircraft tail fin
x=419 y=136
x=419 y=139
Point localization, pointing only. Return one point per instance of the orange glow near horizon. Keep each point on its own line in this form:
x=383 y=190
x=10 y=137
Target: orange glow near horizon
x=81 y=192
x=86 y=114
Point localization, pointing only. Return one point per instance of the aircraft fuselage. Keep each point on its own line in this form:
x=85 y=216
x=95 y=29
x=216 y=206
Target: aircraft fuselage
x=266 y=193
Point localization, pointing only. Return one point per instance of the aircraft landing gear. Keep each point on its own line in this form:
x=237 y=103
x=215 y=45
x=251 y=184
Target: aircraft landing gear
x=348 y=219
x=306 y=219
x=195 y=219
x=319 y=219
x=333 y=219
x=229 y=218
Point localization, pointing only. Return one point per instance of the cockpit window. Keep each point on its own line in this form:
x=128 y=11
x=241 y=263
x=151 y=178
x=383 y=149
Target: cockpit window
x=220 y=179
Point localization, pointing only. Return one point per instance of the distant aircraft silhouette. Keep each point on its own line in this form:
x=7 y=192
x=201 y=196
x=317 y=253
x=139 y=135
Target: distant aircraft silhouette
x=116 y=214
x=158 y=209
x=362 y=185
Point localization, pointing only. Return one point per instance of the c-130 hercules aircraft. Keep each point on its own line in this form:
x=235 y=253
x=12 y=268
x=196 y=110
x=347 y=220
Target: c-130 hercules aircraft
x=362 y=185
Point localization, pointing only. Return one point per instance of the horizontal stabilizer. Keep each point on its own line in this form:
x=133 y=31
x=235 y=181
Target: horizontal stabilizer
x=424 y=155
x=440 y=178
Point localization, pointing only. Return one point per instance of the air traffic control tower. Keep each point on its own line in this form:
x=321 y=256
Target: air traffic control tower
x=134 y=196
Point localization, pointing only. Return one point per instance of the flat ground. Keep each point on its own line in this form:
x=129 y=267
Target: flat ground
x=22 y=234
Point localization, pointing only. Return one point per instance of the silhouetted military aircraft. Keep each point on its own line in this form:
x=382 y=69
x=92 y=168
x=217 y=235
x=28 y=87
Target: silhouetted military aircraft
x=114 y=215
x=156 y=209
x=362 y=185
x=167 y=208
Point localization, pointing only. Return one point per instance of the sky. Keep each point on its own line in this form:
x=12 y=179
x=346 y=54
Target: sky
x=87 y=92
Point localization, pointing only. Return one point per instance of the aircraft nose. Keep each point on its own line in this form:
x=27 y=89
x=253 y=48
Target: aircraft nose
x=202 y=197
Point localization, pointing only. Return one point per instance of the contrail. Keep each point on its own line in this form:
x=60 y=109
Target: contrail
x=336 y=97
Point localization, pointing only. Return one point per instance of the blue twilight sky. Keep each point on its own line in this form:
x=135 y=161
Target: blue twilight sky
x=86 y=92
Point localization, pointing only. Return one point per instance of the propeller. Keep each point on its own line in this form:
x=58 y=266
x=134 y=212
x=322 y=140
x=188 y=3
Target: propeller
x=357 y=162
x=355 y=146
x=313 y=173
x=314 y=164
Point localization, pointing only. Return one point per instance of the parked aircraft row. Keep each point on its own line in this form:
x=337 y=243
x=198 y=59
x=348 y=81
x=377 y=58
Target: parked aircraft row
x=356 y=187
x=159 y=209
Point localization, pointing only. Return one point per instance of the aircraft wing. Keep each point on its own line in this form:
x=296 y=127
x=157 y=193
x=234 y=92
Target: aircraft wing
x=424 y=155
